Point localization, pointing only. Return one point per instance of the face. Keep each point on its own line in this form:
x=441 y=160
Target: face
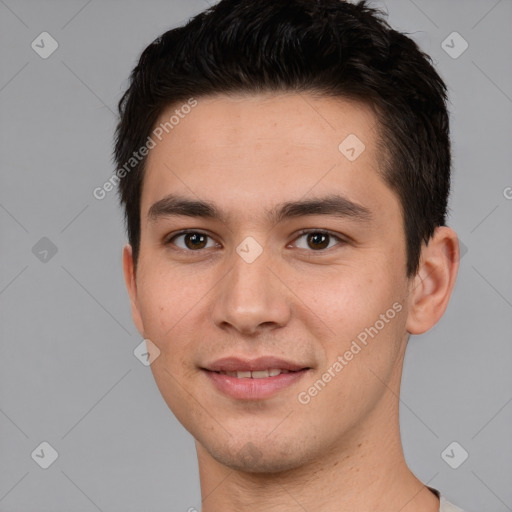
x=296 y=261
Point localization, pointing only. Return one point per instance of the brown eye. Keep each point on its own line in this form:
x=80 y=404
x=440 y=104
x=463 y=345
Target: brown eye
x=318 y=240
x=192 y=241
x=195 y=240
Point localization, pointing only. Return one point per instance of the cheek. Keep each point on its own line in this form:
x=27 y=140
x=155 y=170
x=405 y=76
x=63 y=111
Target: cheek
x=368 y=320
x=350 y=298
x=168 y=301
x=364 y=311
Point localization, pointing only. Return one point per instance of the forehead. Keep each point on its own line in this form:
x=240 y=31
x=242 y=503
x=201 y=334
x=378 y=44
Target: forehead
x=269 y=119
x=257 y=150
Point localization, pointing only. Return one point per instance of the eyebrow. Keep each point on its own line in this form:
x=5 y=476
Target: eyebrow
x=334 y=205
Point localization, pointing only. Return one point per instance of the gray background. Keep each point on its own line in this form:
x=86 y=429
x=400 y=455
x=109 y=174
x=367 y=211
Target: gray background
x=68 y=375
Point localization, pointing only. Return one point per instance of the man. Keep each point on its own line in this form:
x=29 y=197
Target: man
x=284 y=166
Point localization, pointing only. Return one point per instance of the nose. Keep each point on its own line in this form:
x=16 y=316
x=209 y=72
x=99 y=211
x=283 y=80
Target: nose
x=250 y=298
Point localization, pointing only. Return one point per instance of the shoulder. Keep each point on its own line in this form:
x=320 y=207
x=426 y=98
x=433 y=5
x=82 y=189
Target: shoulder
x=446 y=506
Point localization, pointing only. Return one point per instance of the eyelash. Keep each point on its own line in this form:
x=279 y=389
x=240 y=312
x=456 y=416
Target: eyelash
x=304 y=232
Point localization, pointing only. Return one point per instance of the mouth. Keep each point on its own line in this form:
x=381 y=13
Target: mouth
x=257 y=374
x=255 y=379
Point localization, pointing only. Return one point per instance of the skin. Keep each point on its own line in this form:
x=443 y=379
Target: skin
x=247 y=154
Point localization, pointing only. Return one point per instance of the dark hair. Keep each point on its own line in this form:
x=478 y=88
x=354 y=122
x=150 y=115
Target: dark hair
x=328 y=47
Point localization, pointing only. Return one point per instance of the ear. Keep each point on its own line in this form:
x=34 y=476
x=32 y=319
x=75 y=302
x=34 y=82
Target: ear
x=131 y=286
x=432 y=286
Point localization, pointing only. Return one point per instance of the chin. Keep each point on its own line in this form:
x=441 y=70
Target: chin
x=259 y=457
x=265 y=465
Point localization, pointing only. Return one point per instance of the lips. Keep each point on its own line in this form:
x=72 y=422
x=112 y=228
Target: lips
x=253 y=379
x=257 y=374
x=266 y=363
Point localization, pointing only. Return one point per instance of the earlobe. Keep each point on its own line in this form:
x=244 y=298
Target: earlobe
x=131 y=286
x=433 y=284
